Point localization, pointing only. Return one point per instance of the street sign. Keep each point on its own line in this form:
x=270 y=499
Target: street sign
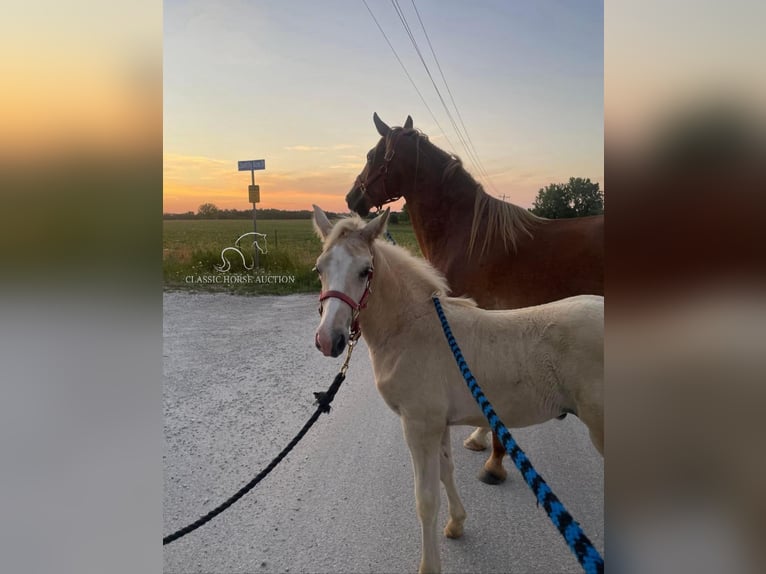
x=254 y=194
x=251 y=164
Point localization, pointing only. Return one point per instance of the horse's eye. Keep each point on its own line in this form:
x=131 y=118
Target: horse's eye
x=365 y=272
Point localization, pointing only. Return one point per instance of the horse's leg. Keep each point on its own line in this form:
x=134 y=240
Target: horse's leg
x=423 y=442
x=454 y=528
x=477 y=440
x=597 y=438
x=593 y=417
x=493 y=471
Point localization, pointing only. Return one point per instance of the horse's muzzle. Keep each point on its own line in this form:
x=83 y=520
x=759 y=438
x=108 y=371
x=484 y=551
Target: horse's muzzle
x=338 y=344
x=357 y=201
x=331 y=346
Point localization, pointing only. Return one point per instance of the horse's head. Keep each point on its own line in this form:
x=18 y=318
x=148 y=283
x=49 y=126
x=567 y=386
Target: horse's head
x=390 y=168
x=345 y=269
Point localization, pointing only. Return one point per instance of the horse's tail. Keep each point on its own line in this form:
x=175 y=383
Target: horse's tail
x=226 y=267
x=225 y=264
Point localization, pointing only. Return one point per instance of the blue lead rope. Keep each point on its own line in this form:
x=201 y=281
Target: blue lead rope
x=578 y=542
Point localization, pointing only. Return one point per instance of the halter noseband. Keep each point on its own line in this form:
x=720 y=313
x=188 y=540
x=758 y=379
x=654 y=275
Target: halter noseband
x=355 y=307
x=382 y=173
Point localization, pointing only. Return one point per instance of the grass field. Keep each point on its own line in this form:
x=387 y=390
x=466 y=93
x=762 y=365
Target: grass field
x=192 y=249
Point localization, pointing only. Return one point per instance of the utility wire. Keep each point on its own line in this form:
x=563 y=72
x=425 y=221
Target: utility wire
x=465 y=140
x=398 y=59
x=471 y=154
x=452 y=98
x=408 y=30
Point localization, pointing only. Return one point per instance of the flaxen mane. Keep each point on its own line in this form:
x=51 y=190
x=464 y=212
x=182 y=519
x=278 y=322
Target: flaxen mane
x=492 y=219
x=416 y=269
x=343 y=227
x=502 y=220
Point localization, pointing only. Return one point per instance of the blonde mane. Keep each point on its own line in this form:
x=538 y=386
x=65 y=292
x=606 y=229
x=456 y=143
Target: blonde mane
x=417 y=272
x=415 y=269
x=345 y=226
x=492 y=219
x=504 y=221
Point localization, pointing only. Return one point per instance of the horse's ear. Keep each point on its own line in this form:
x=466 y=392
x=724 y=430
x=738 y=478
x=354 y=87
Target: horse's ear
x=383 y=129
x=408 y=122
x=322 y=225
x=375 y=227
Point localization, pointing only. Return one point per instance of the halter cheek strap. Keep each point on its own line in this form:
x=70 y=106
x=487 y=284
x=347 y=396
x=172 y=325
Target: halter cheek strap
x=381 y=173
x=355 y=307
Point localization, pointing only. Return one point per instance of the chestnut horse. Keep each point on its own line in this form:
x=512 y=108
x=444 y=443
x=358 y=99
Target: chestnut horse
x=497 y=253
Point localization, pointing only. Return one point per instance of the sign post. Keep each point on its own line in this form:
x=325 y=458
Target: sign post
x=254 y=193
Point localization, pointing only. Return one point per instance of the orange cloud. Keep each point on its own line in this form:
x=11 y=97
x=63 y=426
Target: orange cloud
x=336 y=147
x=305 y=148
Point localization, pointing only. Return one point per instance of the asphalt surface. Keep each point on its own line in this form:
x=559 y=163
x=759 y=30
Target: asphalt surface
x=239 y=373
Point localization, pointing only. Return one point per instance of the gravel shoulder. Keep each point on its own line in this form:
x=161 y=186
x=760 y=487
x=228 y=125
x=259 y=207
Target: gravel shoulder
x=239 y=373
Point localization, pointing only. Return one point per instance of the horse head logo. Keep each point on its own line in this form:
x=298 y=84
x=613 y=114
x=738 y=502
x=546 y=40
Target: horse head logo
x=259 y=243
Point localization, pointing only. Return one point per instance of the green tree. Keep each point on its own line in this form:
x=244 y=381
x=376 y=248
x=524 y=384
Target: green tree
x=207 y=211
x=405 y=215
x=578 y=198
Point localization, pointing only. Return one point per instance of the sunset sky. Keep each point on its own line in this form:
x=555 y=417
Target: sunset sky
x=296 y=83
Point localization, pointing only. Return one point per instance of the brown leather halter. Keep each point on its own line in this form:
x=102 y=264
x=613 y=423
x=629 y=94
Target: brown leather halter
x=381 y=173
x=355 y=307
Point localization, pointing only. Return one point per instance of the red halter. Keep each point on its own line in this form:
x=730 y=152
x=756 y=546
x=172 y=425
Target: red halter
x=355 y=307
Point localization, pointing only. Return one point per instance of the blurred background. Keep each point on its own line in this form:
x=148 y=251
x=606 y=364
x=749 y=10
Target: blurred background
x=81 y=312
x=80 y=286
x=685 y=144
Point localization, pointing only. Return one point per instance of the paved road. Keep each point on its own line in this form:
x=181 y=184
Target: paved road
x=238 y=379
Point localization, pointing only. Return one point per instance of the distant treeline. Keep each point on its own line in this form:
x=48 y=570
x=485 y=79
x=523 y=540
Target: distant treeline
x=244 y=214
x=209 y=211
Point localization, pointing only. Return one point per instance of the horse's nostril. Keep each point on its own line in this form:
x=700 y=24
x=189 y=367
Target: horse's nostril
x=338 y=344
x=316 y=341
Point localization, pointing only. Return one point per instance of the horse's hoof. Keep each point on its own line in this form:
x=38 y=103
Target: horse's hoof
x=453 y=530
x=489 y=478
x=472 y=444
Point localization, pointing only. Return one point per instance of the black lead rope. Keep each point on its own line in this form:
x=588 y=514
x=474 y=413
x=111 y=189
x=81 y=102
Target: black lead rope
x=323 y=400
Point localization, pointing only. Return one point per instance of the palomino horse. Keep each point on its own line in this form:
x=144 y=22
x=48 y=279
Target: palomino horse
x=495 y=252
x=533 y=364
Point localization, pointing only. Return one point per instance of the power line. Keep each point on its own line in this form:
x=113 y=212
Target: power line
x=470 y=150
x=398 y=59
x=408 y=30
x=452 y=98
x=465 y=140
